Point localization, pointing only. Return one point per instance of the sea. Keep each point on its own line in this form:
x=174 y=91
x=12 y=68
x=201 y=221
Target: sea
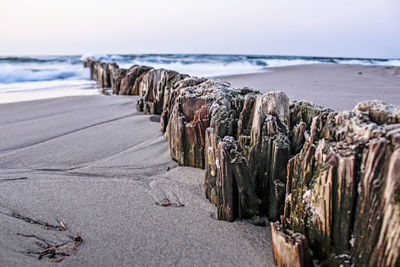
x=36 y=77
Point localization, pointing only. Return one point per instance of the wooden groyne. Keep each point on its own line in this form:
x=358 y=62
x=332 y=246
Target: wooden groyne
x=328 y=181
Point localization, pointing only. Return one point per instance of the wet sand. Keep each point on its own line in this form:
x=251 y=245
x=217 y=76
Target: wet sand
x=339 y=87
x=99 y=166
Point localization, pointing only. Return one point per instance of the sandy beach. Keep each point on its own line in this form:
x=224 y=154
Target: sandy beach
x=103 y=169
x=339 y=87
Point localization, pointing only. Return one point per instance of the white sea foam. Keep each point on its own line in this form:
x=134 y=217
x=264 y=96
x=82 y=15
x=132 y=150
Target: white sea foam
x=391 y=62
x=11 y=74
x=44 y=85
x=287 y=62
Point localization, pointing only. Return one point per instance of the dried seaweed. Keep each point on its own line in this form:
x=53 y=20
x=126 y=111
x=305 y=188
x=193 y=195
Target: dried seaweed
x=165 y=202
x=54 y=252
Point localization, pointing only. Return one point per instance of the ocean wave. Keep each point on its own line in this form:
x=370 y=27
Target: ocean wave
x=226 y=61
x=11 y=74
x=14 y=69
x=74 y=60
x=390 y=62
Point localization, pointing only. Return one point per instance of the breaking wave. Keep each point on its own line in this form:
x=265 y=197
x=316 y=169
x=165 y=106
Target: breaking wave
x=14 y=75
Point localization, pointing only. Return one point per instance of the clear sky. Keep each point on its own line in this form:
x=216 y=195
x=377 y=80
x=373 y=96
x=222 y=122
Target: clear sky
x=352 y=28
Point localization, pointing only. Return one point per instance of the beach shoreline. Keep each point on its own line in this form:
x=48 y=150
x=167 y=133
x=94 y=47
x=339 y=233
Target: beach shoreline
x=337 y=86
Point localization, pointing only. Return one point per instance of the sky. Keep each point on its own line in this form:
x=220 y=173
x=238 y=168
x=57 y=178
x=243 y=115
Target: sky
x=356 y=28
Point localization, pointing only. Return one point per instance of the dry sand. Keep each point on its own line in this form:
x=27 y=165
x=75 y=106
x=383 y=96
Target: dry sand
x=339 y=87
x=99 y=166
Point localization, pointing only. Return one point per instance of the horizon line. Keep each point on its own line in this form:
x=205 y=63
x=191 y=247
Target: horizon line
x=213 y=54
